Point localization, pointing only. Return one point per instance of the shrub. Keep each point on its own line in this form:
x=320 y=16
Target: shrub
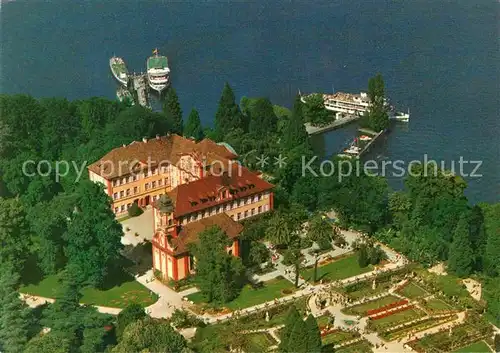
x=131 y=313
x=181 y=319
x=305 y=243
x=135 y=210
x=324 y=243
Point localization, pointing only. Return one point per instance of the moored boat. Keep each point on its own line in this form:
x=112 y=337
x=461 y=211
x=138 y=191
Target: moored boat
x=119 y=70
x=125 y=96
x=158 y=71
x=400 y=116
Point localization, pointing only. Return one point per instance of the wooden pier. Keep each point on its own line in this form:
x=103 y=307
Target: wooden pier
x=140 y=86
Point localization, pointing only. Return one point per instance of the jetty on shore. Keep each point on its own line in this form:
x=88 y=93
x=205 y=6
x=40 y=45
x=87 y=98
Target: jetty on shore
x=337 y=123
x=361 y=144
x=140 y=86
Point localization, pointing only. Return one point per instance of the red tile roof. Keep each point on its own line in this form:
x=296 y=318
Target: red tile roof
x=188 y=197
x=190 y=232
x=157 y=150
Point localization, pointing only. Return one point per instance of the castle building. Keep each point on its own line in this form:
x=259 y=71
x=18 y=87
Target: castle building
x=191 y=186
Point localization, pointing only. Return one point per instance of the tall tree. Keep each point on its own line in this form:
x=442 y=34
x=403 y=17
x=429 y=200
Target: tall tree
x=363 y=259
x=218 y=274
x=378 y=118
x=295 y=132
x=263 y=120
x=172 y=108
x=313 y=335
x=147 y=335
x=131 y=313
x=49 y=343
x=298 y=340
x=93 y=236
x=461 y=256
x=315 y=112
x=49 y=222
x=278 y=230
x=320 y=229
x=492 y=247
x=193 y=126
x=228 y=116
x=13 y=312
x=15 y=236
x=292 y=317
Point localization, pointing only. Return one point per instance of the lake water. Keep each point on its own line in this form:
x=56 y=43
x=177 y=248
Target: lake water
x=438 y=58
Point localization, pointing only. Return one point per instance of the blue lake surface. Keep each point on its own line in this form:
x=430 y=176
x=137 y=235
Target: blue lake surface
x=438 y=58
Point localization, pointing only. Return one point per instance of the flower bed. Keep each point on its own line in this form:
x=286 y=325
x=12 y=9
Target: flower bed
x=381 y=316
x=325 y=332
x=418 y=326
x=387 y=307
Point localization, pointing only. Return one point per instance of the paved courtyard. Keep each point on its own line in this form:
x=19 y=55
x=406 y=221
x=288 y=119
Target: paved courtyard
x=142 y=225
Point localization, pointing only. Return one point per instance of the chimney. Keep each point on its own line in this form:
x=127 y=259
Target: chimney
x=145 y=140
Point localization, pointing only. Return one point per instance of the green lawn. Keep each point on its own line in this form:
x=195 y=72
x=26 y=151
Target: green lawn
x=260 y=342
x=338 y=337
x=413 y=291
x=365 y=289
x=126 y=290
x=361 y=309
x=436 y=305
x=249 y=296
x=360 y=347
x=476 y=347
x=343 y=268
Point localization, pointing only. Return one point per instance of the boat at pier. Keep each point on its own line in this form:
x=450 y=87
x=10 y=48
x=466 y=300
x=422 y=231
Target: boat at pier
x=400 y=116
x=119 y=70
x=124 y=95
x=158 y=71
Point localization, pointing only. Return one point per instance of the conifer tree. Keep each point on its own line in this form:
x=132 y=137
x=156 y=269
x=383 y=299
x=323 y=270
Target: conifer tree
x=299 y=338
x=228 y=116
x=292 y=317
x=313 y=335
x=193 y=126
x=461 y=255
x=13 y=312
x=363 y=258
x=173 y=111
x=295 y=131
x=263 y=120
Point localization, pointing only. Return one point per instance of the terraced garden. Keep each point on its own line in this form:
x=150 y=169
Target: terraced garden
x=260 y=342
x=359 y=347
x=392 y=320
x=436 y=305
x=413 y=291
x=425 y=324
x=362 y=309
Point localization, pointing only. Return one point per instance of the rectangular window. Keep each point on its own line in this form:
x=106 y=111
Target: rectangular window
x=153 y=184
x=116 y=209
x=239 y=216
x=252 y=212
x=134 y=177
x=166 y=181
x=246 y=213
x=146 y=186
x=122 y=208
x=160 y=181
x=259 y=197
x=219 y=210
x=259 y=210
x=255 y=198
x=124 y=180
x=239 y=203
x=130 y=179
x=122 y=193
x=115 y=195
x=228 y=206
x=128 y=192
x=135 y=189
